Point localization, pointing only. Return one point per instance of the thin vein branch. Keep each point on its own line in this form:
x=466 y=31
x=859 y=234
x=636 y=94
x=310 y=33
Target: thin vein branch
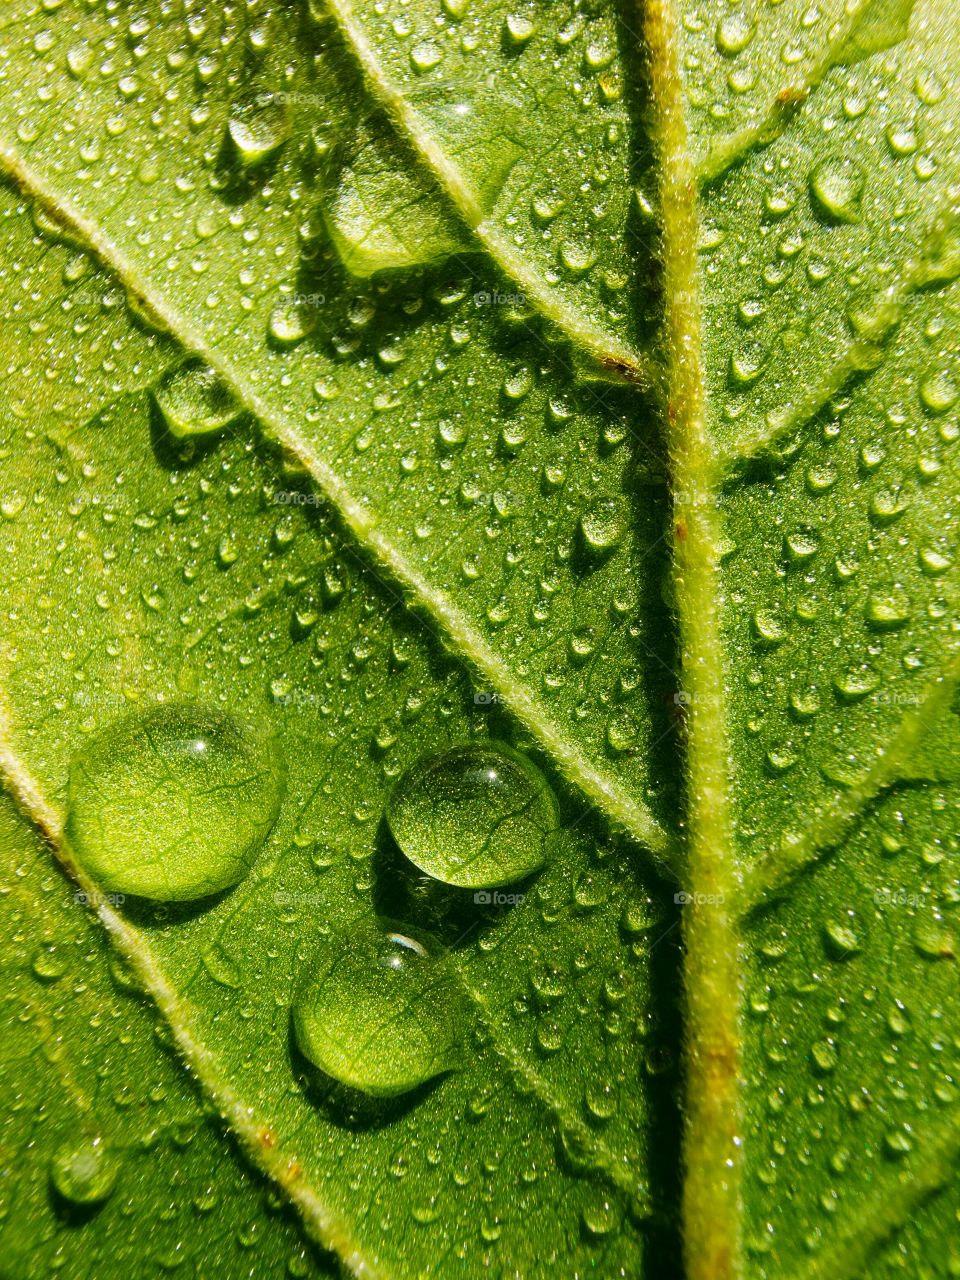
x=579 y=326
x=798 y=851
x=786 y=102
x=883 y=1212
x=595 y=1152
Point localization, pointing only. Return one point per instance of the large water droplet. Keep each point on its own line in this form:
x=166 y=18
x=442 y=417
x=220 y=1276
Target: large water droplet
x=175 y=804
x=602 y=526
x=84 y=1172
x=258 y=128
x=378 y=1013
x=836 y=190
x=475 y=816
x=194 y=401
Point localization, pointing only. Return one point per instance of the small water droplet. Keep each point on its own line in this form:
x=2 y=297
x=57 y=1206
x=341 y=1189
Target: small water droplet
x=734 y=33
x=939 y=392
x=601 y=1216
x=842 y=940
x=291 y=320
x=836 y=190
x=258 y=128
x=518 y=30
x=194 y=401
x=602 y=526
x=887 y=612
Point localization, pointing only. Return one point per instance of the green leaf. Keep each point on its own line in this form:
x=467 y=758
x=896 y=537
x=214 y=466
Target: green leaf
x=204 y=573
x=568 y=388
x=86 y=1065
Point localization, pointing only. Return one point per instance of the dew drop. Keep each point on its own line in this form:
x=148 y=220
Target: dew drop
x=475 y=816
x=939 y=392
x=934 y=562
x=836 y=190
x=425 y=55
x=258 y=128
x=600 y=1217
x=897 y=1144
x=841 y=939
x=734 y=33
x=174 y=804
x=84 y=1172
x=602 y=526
x=824 y=1055
x=378 y=1013
x=518 y=30
x=934 y=940
x=48 y=963
x=887 y=612
x=290 y=321
x=194 y=401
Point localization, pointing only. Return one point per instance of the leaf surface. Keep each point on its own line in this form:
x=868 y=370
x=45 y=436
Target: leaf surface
x=620 y=345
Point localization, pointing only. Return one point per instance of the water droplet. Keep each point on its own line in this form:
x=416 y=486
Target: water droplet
x=842 y=941
x=856 y=684
x=734 y=33
x=804 y=703
x=602 y=526
x=800 y=546
x=476 y=816
x=518 y=30
x=175 y=804
x=768 y=629
x=378 y=1013
x=291 y=320
x=600 y=1216
x=934 y=562
x=194 y=401
x=888 y=612
x=836 y=190
x=887 y=506
x=48 y=963
x=939 y=392
x=940 y=260
x=897 y=1144
x=933 y=939
x=84 y=1172
x=425 y=55
x=258 y=128
x=577 y=258
x=824 y=1055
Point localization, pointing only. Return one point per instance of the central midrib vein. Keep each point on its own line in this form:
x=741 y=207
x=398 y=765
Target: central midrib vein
x=712 y=1187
